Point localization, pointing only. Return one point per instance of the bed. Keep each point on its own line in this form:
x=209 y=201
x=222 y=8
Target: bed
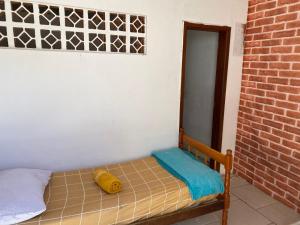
x=150 y=194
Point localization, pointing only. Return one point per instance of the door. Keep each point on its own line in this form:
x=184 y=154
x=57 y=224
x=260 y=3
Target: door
x=203 y=86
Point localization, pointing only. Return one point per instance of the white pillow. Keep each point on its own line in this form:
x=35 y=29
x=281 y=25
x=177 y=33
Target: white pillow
x=21 y=194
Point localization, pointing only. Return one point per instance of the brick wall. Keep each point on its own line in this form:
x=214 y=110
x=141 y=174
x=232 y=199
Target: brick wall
x=268 y=138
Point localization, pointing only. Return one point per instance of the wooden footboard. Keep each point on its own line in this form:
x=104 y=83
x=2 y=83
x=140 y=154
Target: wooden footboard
x=209 y=155
x=212 y=158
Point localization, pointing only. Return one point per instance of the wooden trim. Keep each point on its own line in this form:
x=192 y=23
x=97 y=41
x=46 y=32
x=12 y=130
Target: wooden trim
x=183 y=75
x=221 y=78
x=220 y=88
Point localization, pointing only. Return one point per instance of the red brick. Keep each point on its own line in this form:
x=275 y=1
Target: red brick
x=266 y=87
x=270 y=137
x=265 y=21
x=289 y=174
x=277 y=95
x=293 y=130
x=251 y=44
x=246 y=165
x=253 y=91
x=288 y=89
x=273 y=27
x=282 y=49
x=289 y=73
x=259 y=65
x=281 y=2
x=285 y=119
x=278 y=162
x=294 y=8
x=294 y=58
x=275 y=110
x=274 y=188
x=254 y=16
x=258 y=153
x=260 y=50
x=286 y=105
x=286 y=188
x=272 y=124
x=264 y=6
x=297 y=49
x=267 y=164
x=294 y=184
x=284 y=201
x=250 y=71
x=260 y=127
x=293 y=114
x=292 y=41
x=282 y=134
x=276 y=175
x=296 y=66
x=271 y=43
x=269 y=58
x=281 y=34
x=290 y=161
x=294 y=98
x=276 y=80
x=257 y=79
x=264 y=100
x=275 y=12
x=263 y=36
x=295 y=82
x=251 y=58
x=268 y=72
x=293 y=24
x=249 y=142
x=290 y=144
x=281 y=149
x=254 y=30
x=294 y=200
x=255 y=2
x=282 y=66
x=296 y=155
x=286 y=17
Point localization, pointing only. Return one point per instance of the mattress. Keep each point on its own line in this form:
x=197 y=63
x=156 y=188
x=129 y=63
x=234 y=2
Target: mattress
x=73 y=198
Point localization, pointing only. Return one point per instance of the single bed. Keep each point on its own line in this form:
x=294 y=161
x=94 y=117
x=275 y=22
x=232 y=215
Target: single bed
x=150 y=194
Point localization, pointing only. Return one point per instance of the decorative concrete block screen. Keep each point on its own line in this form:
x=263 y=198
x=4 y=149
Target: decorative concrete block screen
x=29 y=25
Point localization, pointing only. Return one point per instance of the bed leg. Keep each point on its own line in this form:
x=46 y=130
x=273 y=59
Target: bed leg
x=225 y=217
x=228 y=167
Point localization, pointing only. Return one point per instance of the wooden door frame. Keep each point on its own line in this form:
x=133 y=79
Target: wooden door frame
x=221 y=77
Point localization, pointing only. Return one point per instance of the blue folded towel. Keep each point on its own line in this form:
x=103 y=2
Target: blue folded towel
x=200 y=179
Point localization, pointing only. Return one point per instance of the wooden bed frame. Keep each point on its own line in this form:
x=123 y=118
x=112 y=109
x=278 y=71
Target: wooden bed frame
x=223 y=200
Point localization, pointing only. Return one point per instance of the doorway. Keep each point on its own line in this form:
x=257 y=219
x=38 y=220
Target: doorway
x=203 y=82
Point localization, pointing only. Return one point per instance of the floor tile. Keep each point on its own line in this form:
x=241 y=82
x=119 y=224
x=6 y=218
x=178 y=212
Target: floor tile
x=237 y=181
x=187 y=222
x=208 y=219
x=242 y=214
x=280 y=214
x=297 y=223
x=252 y=196
x=214 y=223
x=233 y=197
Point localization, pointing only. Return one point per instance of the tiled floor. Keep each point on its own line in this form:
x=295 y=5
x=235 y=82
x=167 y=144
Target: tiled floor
x=250 y=206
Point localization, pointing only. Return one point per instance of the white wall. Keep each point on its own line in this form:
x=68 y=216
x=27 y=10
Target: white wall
x=64 y=110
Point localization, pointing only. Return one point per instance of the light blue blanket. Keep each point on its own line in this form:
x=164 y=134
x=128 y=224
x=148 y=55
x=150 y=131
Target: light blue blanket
x=200 y=179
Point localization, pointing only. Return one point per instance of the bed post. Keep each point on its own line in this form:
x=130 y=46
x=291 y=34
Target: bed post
x=180 y=142
x=228 y=167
